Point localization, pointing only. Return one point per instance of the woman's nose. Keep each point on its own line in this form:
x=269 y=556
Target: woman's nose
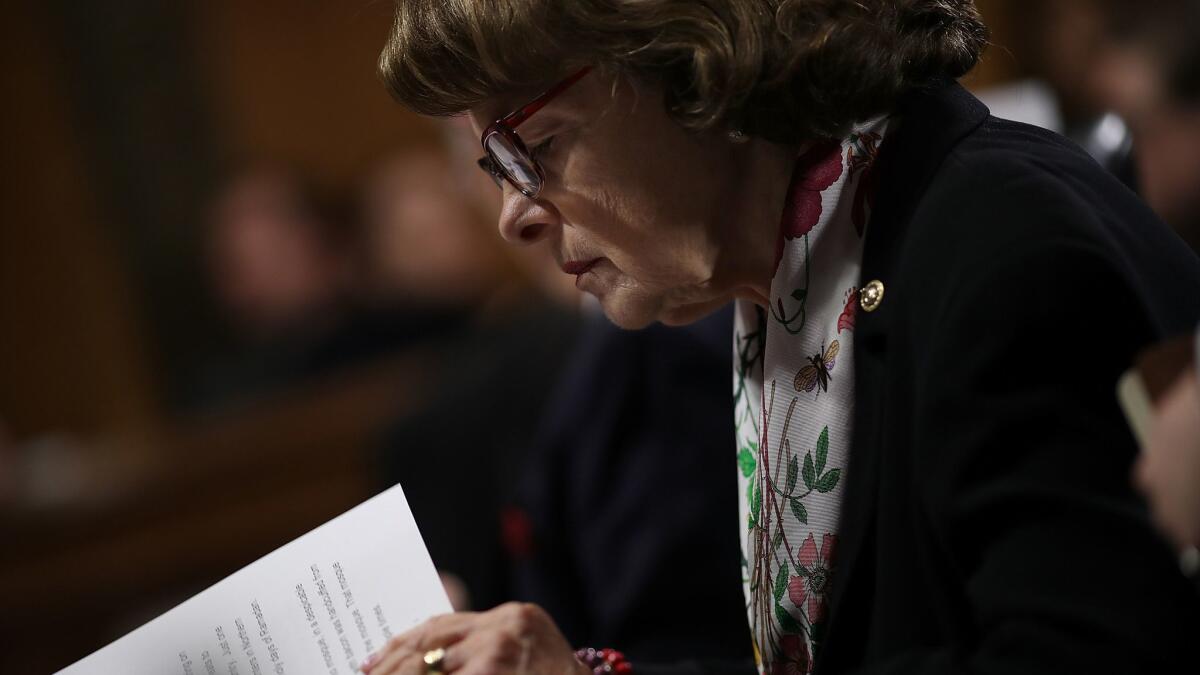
x=524 y=220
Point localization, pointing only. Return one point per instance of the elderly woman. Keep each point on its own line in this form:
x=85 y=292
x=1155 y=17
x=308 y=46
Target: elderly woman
x=933 y=309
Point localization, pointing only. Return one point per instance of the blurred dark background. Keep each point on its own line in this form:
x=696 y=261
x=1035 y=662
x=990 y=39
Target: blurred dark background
x=233 y=273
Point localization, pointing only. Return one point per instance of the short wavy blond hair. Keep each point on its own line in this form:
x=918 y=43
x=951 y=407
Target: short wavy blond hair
x=784 y=70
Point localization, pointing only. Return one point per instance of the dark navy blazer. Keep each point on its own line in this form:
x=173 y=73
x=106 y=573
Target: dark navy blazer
x=989 y=523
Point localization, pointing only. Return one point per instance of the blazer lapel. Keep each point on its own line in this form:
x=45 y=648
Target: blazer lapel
x=928 y=125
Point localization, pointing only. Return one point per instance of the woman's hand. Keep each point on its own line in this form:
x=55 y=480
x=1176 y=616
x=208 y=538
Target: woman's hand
x=513 y=639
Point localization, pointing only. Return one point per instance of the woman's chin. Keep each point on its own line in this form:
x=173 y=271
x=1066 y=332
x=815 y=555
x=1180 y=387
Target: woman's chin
x=685 y=315
x=632 y=311
x=632 y=305
x=627 y=315
x=626 y=308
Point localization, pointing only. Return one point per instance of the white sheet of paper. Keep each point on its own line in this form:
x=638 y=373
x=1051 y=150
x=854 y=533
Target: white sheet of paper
x=316 y=606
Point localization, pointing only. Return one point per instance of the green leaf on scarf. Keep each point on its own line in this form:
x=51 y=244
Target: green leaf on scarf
x=752 y=521
x=810 y=472
x=800 y=294
x=787 y=622
x=756 y=501
x=822 y=449
x=829 y=481
x=777 y=541
x=799 y=511
x=793 y=469
x=746 y=462
x=781 y=582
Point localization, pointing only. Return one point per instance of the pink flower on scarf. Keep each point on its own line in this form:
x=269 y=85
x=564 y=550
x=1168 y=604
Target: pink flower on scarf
x=816 y=170
x=807 y=589
x=846 y=320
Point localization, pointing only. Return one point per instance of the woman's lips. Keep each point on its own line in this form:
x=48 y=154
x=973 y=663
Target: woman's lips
x=578 y=267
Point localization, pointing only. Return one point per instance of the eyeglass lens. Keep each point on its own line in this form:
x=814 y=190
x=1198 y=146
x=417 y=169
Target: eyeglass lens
x=516 y=164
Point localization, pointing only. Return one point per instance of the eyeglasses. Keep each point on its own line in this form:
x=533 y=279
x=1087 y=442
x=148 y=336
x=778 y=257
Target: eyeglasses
x=507 y=157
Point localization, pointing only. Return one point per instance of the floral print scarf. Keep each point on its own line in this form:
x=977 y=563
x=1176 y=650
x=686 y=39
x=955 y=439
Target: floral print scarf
x=794 y=396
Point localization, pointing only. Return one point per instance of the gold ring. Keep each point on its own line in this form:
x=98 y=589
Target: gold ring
x=433 y=661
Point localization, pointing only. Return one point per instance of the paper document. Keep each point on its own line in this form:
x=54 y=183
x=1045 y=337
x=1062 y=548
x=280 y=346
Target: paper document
x=317 y=606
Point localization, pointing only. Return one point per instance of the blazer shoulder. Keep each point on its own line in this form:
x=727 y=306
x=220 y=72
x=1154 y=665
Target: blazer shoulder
x=1006 y=168
x=1009 y=194
x=1014 y=186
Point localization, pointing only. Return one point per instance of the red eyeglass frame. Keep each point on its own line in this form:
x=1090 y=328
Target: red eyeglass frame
x=507 y=127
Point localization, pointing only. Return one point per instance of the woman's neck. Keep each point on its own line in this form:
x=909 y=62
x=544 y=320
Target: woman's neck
x=751 y=239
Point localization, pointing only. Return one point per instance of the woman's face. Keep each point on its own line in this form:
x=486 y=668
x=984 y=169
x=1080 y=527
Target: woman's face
x=648 y=216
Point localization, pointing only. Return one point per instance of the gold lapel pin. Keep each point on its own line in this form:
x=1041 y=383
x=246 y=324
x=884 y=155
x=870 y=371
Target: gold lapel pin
x=871 y=296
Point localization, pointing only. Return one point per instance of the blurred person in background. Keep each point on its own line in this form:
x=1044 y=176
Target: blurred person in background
x=422 y=241
x=277 y=258
x=282 y=260
x=1058 y=47
x=1150 y=73
x=457 y=454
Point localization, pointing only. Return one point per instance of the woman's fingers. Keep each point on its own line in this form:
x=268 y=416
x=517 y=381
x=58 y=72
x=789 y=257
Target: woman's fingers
x=514 y=639
x=458 y=655
x=394 y=662
x=439 y=631
x=488 y=652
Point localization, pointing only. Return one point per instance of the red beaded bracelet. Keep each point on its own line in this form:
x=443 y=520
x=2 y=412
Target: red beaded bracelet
x=604 y=661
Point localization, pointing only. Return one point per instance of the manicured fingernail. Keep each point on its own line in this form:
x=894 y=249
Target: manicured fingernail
x=370 y=662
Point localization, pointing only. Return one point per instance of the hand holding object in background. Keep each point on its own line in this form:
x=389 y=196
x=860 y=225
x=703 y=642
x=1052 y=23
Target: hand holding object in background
x=1169 y=470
